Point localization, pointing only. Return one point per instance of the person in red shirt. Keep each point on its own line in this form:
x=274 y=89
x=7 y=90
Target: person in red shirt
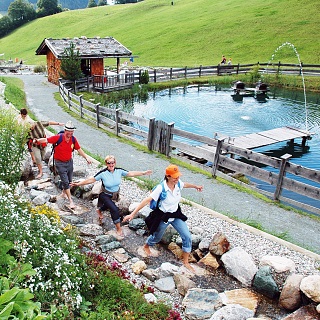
x=63 y=157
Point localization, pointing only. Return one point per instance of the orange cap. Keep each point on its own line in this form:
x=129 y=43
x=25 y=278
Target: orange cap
x=173 y=171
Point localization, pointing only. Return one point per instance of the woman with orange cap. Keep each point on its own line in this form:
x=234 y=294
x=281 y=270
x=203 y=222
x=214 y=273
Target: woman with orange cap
x=168 y=212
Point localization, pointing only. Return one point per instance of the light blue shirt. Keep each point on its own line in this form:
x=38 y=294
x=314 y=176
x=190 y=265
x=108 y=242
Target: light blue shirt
x=111 y=180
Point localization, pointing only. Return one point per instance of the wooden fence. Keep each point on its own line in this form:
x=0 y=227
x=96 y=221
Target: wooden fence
x=165 y=138
x=106 y=83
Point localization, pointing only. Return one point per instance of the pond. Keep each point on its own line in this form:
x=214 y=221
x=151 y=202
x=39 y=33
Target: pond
x=207 y=110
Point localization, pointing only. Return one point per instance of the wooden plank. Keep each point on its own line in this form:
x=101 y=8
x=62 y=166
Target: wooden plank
x=282 y=134
x=253 y=140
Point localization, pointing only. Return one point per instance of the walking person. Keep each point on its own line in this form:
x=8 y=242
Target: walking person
x=111 y=180
x=24 y=119
x=63 y=157
x=168 y=212
x=38 y=149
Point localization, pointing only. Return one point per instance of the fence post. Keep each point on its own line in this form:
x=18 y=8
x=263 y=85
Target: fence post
x=170 y=74
x=218 y=69
x=169 y=137
x=282 y=173
x=200 y=70
x=69 y=99
x=81 y=106
x=151 y=133
x=102 y=84
x=117 y=122
x=279 y=65
x=238 y=67
x=185 y=72
x=98 y=113
x=216 y=157
x=155 y=75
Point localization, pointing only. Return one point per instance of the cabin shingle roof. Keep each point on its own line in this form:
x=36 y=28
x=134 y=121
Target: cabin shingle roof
x=107 y=47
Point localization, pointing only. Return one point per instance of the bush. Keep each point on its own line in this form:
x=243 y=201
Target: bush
x=40 y=69
x=144 y=78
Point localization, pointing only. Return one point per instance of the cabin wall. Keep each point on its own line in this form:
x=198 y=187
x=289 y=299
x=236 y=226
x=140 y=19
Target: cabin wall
x=54 y=68
x=97 y=67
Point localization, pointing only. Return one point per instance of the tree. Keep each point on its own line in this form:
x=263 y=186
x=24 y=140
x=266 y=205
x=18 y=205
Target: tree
x=5 y=26
x=92 y=4
x=48 y=7
x=71 y=64
x=20 y=12
x=102 y=3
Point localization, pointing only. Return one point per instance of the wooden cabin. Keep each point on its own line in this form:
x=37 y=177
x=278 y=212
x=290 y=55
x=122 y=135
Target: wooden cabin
x=92 y=52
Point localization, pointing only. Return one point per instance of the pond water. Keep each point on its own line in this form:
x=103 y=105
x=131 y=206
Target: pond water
x=207 y=110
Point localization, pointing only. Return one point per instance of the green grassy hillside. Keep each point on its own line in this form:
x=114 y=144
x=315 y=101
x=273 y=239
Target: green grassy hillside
x=188 y=33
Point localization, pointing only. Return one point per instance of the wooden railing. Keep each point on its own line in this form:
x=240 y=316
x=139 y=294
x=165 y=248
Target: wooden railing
x=164 y=138
x=105 y=83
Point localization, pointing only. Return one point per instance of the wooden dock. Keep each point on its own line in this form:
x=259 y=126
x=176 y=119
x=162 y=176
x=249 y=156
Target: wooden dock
x=264 y=138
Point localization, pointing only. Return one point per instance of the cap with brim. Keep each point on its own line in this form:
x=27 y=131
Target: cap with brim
x=69 y=126
x=173 y=171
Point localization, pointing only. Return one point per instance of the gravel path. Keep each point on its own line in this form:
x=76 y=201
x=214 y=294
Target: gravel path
x=221 y=198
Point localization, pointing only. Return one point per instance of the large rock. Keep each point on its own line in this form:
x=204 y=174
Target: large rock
x=265 y=284
x=279 y=264
x=183 y=283
x=304 y=313
x=240 y=265
x=201 y=303
x=310 y=286
x=232 y=312
x=219 y=244
x=290 y=297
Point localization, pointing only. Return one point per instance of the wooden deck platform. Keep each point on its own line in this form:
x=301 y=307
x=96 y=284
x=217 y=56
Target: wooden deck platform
x=265 y=138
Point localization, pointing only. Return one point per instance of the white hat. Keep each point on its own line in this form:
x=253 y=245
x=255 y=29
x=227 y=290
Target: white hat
x=69 y=126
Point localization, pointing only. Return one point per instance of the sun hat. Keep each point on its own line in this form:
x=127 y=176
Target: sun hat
x=173 y=171
x=69 y=126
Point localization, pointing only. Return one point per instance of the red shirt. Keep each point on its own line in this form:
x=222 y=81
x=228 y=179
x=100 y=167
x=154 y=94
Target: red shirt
x=63 y=151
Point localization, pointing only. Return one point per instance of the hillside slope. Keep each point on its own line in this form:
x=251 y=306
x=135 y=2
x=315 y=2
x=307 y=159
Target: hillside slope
x=188 y=33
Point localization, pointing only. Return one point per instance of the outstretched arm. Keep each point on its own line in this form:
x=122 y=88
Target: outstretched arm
x=55 y=123
x=142 y=204
x=82 y=154
x=83 y=182
x=139 y=173
x=190 y=185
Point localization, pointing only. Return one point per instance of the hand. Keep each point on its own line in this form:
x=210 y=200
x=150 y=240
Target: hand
x=74 y=184
x=127 y=218
x=199 y=188
x=88 y=161
x=147 y=173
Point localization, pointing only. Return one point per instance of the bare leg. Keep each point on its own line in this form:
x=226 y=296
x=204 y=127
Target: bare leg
x=68 y=193
x=147 y=250
x=33 y=158
x=119 y=230
x=39 y=165
x=185 y=258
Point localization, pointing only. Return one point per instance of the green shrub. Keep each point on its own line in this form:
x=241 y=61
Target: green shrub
x=144 y=78
x=40 y=69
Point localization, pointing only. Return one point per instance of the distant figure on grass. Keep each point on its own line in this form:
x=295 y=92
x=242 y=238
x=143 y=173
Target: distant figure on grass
x=63 y=157
x=111 y=180
x=24 y=119
x=38 y=149
x=230 y=62
x=223 y=60
x=168 y=211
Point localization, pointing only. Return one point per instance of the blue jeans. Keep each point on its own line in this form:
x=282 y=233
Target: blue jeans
x=108 y=204
x=65 y=171
x=180 y=226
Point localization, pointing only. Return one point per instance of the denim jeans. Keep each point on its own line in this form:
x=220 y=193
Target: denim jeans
x=180 y=226
x=108 y=204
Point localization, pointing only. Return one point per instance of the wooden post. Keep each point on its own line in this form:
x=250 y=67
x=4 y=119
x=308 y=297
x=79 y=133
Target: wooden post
x=282 y=173
x=304 y=141
x=238 y=67
x=69 y=99
x=81 y=106
x=117 y=122
x=155 y=75
x=279 y=65
x=200 y=70
x=102 y=80
x=170 y=74
x=88 y=84
x=151 y=133
x=218 y=69
x=216 y=157
x=98 y=113
x=169 y=137
x=185 y=72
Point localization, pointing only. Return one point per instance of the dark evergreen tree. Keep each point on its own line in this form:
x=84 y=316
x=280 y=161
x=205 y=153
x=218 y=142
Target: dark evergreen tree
x=71 y=64
x=91 y=4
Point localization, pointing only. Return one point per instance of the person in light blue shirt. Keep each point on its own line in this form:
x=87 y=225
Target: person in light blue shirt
x=111 y=178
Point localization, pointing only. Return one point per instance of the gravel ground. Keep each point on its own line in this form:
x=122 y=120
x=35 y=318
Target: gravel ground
x=301 y=230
